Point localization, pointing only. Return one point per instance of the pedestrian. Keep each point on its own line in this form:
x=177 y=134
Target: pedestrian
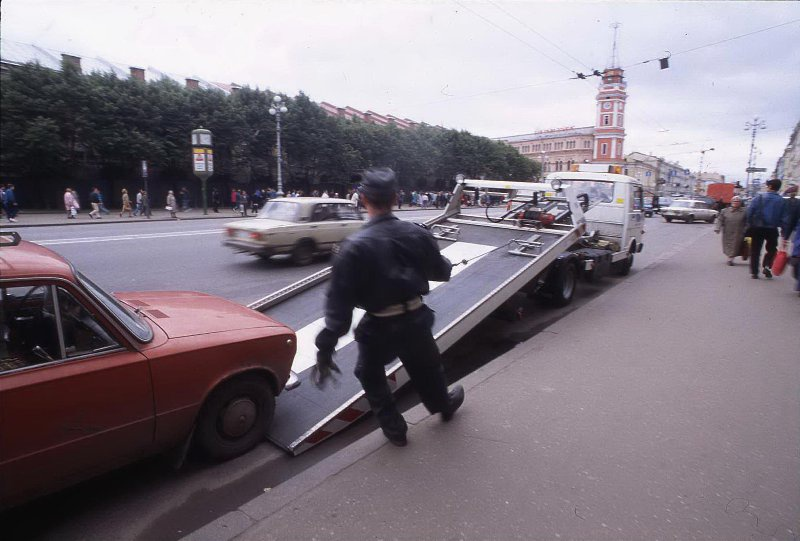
x=385 y=268
x=732 y=222
x=103 y=208
x=216 y=200
x=184 y=193
x=764 y=215
x=126 y=204
x=94 y=200
x=400 y=197
x=10 y=204
x=356 y=199
x=171 y=203
x=795 y=257
x=139 y=203
x=145 y=204
x=70 y=204
x=791 y=213
x=2 y=200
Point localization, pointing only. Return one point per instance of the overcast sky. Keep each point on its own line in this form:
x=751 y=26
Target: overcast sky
x=492 y=67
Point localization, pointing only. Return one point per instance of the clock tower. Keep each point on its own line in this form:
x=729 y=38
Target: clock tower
x=609 y=132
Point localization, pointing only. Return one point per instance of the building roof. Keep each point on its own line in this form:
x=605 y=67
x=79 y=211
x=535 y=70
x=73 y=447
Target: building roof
x=547 y=134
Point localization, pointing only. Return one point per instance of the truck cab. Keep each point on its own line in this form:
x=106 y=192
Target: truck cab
x=613 y=207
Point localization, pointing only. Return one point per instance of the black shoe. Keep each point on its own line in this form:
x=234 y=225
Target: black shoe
x=767 y=272
x=456 y=399
x=754 y=276
x=400 y=441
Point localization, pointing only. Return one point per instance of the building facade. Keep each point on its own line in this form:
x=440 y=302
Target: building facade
x=559 y=148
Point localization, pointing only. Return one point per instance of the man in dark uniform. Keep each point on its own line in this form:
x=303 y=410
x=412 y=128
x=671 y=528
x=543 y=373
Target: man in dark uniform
x=385 y=269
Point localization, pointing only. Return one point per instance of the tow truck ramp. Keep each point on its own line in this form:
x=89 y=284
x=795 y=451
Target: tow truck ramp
x=493 y=259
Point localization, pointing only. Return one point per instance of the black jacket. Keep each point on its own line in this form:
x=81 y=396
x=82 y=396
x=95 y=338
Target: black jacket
x=388 y=262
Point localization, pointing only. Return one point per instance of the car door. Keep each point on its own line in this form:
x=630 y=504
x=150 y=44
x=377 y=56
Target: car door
x=75 y=400
x=349 y=220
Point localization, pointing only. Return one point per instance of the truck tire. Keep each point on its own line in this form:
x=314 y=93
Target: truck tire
x=235 y=417
x=303 y=252
x=562 y=287
x=624 y=266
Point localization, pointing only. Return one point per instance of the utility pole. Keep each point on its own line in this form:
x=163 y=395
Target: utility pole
x=753 y=127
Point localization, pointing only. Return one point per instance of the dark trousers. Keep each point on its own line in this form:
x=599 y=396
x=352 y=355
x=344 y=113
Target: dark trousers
x=759 y=236
x=408 y=336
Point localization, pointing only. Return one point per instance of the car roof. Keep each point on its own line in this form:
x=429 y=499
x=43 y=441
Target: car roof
x=309 y=200
x=29 y=260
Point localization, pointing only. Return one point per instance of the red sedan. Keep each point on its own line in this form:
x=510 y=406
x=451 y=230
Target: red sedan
x=90 y=381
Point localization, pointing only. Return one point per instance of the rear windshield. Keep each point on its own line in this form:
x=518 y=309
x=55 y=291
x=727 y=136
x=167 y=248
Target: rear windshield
x=137 y=326
x=284 y=210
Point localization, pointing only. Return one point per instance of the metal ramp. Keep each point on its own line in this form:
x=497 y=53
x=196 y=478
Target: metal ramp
x=306 y=415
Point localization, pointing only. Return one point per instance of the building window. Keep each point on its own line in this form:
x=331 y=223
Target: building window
x=619 y=120
x=606 y=120
x=604 y=149
x=587 y=144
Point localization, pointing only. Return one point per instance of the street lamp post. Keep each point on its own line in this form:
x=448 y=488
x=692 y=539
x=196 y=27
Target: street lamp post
x=276 y=110
x=700 y=171
x=544 y=160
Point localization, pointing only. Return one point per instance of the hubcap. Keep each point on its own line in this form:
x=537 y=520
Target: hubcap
x=238 y=417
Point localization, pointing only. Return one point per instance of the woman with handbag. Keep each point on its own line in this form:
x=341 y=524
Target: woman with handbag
x=732 y=223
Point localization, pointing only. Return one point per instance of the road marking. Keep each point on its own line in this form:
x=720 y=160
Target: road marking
x=84 y=240
x=306 y=355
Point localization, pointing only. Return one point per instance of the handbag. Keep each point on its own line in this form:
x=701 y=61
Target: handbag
x=744 y=250
x=169 y=208
x=779 y=263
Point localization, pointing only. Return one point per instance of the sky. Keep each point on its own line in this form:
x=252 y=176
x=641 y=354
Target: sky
x=491 y=67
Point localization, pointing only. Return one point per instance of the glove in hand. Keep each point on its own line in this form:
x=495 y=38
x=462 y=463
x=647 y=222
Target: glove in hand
x=324 y=369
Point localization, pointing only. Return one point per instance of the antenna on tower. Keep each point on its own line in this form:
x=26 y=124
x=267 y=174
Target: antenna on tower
x=614 y=59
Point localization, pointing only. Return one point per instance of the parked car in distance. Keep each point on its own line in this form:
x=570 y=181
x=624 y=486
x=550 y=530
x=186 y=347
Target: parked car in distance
x=299 y=226
x=689 y=210
x=90 y=381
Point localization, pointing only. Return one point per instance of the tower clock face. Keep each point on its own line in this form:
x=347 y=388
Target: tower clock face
x=606 y=105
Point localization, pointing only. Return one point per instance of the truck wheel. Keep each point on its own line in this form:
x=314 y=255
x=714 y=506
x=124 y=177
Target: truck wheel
x=624 y=266
x=303 y=253
x=235 y=418
x=690 y=219
x=668 y=219
x=562 y=288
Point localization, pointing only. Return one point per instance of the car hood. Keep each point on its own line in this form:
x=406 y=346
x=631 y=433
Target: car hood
x=188 y=313
x=259 y=224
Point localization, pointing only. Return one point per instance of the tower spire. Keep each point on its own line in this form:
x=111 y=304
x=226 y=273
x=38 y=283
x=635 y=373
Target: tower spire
x=614 y=59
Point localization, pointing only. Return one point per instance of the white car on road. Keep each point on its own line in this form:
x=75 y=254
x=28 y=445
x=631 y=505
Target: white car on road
x=689 y=210
x=299 y=226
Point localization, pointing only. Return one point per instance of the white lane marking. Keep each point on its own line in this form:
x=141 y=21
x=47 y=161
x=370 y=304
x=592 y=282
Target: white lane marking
x=306 y=355
x=84 y=240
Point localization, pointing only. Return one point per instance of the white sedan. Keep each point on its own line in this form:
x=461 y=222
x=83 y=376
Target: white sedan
x=689 y=210
x=299 y=226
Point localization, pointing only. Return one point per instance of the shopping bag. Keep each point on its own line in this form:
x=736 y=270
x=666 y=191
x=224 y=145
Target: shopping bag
x=169 y=208
x=744 y=251
x=779 y=263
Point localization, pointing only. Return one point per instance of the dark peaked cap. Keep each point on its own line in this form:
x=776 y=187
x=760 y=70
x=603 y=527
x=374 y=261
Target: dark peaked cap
x=378 y=184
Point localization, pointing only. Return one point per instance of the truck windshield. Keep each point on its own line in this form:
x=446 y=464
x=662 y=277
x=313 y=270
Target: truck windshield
x=598 y=192
x=137 y=326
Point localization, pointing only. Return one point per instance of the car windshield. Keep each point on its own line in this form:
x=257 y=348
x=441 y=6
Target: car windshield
x=283 y=210
x=137 y=326
x=682 y=204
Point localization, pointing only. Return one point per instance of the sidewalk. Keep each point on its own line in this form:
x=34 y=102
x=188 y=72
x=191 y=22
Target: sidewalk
x=41 y=218
x=652 y=412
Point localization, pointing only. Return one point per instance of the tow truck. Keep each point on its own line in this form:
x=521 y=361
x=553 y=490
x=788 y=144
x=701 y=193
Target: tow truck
x=582 y=223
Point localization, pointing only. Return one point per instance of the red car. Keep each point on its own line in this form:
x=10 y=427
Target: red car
x=90 y=381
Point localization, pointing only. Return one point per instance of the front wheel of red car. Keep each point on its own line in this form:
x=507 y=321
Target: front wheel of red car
x=235 y=418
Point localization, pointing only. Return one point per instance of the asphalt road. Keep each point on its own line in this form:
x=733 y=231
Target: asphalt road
x=149 y=500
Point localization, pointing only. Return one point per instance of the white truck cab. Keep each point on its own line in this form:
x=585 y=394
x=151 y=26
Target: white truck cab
x=613 y=206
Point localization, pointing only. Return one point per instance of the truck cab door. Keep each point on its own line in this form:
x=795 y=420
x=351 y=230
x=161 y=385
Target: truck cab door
x=634 y=215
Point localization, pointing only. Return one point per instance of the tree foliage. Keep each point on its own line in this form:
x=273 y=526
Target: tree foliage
x=63 y=126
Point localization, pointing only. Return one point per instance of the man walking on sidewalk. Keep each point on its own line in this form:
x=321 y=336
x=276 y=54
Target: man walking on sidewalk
x=764 y=215
x=385 y=269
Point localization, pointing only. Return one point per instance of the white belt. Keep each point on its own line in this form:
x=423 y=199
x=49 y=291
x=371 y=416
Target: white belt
x=399 y=309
